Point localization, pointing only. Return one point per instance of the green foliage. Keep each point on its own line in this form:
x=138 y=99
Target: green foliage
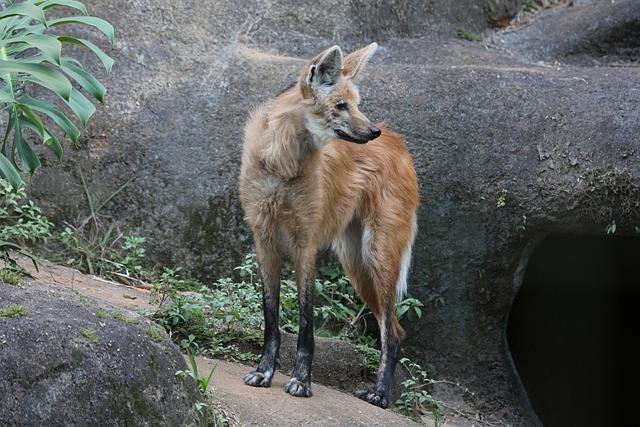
x=155 y=333
x=21 y=224
x=463 y=34
x=415 y=400
x=126 y=319
x=12 y=310
x=95 y=244
x=11 y=275
x=371 y=356
x=410 y=307
x=20 y=221
x=502 y=198
x=201 y=381
x=208 y=413
x=90 y=334
x=131 y=262
x=31 y=55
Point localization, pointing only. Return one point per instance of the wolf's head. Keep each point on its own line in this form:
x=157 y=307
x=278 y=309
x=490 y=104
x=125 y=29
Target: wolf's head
x=327 y=82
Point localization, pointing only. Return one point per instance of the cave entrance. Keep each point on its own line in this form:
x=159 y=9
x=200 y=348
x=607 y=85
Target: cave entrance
x=573 y=330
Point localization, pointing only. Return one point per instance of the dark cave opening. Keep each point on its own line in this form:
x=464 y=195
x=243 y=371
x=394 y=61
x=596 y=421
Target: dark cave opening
x=573 y=327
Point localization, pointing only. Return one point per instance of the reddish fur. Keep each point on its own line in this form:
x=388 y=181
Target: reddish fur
x=298 y=196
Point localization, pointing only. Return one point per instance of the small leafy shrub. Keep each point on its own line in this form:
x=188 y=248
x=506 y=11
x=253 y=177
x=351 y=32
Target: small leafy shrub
x=131 y=262
x=463 y=34
x=11 y=275
x=20 y=220
x=12 y=310
x=21 y=224
x=89 y=334
x=202 y=382
x=155 y=333
x=32 y=55
x=209 y=414
x=94 y=243
x=415 y=400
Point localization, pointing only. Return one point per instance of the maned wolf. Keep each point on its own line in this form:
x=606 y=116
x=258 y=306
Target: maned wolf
x=316 y=172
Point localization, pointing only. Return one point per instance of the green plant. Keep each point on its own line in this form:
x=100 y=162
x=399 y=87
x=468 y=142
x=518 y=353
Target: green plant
x=126 y=319
x=611 y=228
x=21 y=223
x=90 y=334
x=209 y=414
x=502 y=198
x=371 y=357
x=155 y=333
x=131 y=262
x=202 y=382
x=93 y=244
x=409 y=307
x=31 y=55
x=12 y=310
x=169 y=283
x=463 y=34
x=415 y=400
x=11 y=275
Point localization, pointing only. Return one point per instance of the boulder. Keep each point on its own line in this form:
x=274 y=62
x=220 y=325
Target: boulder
x=67 y=360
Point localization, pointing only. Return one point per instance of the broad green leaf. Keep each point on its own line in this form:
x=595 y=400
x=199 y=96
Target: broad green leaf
x=103 y=57
x=8 y=172
x=68 y=3
x=7 y=131
x=48 y=139
x=24 y=9
x=33 y=118
x=45 y=76
x=54 y=145
x=5 y=97
x=81 y=106
x=10 y=245
x=28 y=158
x=51 y=110
x=98 y=23
x=85 y=79
x=48 y=45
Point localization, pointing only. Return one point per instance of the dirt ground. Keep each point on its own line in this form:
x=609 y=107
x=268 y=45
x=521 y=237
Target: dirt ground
x=250 y=406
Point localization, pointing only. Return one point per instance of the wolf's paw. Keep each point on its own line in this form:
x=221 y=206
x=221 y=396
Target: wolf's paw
x=258 y=379
x=373 y=397
x=297 y=388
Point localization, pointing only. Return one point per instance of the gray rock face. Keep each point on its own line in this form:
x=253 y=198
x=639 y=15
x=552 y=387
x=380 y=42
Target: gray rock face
x=62 y=364
x=507 y=149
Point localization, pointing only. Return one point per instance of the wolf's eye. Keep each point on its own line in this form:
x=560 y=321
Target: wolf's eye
x=342 y=105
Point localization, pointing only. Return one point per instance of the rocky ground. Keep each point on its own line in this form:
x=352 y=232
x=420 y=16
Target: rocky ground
x=338 y=365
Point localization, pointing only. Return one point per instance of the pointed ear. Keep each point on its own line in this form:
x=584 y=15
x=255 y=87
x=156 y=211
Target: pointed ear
x=324 y=69
x=354 y=62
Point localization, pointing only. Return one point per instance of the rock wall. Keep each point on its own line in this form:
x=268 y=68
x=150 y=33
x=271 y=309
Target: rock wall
x=510 y=145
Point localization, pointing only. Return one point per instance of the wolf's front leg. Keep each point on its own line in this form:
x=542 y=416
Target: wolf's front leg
x=300 y=382
x=270 y=262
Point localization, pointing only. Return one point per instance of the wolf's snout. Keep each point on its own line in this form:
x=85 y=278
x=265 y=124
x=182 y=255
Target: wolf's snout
x=374 y=131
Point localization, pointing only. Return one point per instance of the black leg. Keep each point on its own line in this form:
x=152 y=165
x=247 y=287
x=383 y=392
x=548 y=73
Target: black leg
x=270 y=264
x=390 y=337
x=300 y=383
